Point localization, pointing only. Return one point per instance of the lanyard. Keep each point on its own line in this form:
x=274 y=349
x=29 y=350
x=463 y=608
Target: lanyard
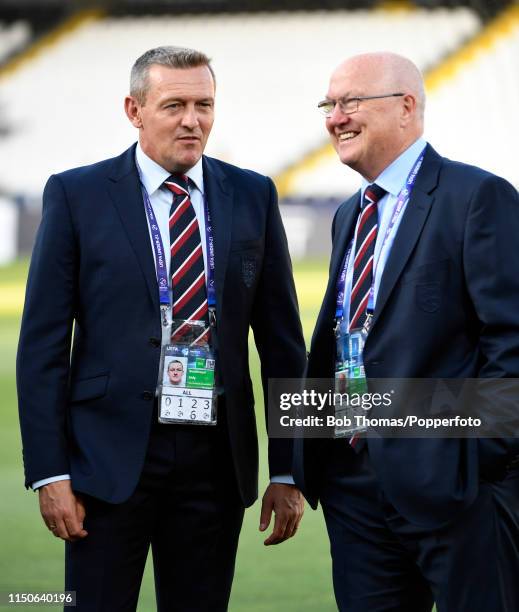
x=209 y=241
x=402 y=200
x=341 y=285
x=160 y=262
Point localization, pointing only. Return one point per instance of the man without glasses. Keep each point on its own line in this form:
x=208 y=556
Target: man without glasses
x=175 y=372
x=126 y=246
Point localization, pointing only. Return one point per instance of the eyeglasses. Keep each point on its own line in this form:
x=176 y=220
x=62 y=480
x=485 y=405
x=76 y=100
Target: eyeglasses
x=349 y=106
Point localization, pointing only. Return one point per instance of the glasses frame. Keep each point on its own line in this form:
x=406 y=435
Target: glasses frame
x=343 y=101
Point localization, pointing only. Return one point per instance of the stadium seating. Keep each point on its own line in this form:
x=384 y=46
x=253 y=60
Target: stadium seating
x=65 y=106
x=470 y=115
x=13 y=37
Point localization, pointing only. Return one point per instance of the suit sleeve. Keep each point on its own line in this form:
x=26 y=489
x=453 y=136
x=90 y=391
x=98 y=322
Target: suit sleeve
x=276 y=324
x=491 y=266
x=44 y=347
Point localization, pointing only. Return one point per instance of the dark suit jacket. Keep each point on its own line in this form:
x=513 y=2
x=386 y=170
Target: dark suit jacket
x=87 y=410
x=448 y=307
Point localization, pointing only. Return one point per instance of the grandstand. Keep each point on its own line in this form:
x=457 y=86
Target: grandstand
x=13 y=37
x=470 y=116
x=61 y=96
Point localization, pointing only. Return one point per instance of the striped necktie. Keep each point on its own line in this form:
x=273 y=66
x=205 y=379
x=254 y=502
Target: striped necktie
x=364 y=254
x=187 y=261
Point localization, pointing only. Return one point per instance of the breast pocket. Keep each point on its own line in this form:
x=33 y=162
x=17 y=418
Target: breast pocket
x=428 y=296
x=247 y=254
x=429 y=281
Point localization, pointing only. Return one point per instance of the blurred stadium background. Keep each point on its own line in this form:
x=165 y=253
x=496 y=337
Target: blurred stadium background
x=64 y=69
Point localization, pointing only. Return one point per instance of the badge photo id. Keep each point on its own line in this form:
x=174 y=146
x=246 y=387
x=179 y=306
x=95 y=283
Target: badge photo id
x=187 y=392
x=350 y=382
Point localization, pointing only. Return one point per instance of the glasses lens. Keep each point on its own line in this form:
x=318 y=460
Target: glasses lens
x=325 y=107
x=349 y=106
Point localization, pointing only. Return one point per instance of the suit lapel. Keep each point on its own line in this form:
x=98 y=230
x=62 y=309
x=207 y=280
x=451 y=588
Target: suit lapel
x=219 y=192
x=415 y=215
x=125 y=192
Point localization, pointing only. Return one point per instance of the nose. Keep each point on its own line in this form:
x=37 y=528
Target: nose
x=190 y=116
x=337 y=117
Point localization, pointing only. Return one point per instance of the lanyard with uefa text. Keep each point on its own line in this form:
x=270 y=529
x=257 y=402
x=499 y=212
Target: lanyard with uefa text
x=341 y=285
x=402 y=200
x=209 y=241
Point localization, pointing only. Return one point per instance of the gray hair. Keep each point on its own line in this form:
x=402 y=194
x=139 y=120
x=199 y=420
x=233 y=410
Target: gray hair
x=172 y=57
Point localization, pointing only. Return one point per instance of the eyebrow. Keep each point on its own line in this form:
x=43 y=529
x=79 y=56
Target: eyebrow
x=347 y=95
x=181 y=98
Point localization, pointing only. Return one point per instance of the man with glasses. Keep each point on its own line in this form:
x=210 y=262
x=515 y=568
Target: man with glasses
x=423 y=277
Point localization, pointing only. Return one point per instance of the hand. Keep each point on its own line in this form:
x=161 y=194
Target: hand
x=288 y=505
x=62 y=511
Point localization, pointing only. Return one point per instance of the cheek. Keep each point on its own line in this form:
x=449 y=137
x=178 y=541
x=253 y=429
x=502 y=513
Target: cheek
x=207 y=125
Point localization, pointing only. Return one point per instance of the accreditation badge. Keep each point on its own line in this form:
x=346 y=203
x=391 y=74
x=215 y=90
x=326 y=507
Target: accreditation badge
x=187 y=392
x=350 y=381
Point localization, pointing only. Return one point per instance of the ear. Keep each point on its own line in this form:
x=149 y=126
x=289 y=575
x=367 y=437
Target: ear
x=133 y=111
x=408 y=109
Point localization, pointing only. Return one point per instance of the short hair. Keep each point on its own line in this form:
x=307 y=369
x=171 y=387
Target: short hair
x=175 y=361
x=171 y=57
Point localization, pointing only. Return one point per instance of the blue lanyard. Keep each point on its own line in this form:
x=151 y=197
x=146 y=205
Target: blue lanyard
x=160 y=261
x=341 y=284
x=209 y=241
x=402 y=200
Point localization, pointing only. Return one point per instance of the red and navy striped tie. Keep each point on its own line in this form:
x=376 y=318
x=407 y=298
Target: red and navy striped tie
x=364 y=254
x=187 y=261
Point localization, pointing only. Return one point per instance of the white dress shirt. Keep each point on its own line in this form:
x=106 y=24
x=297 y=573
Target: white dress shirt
x=392 y=179
x=152 y=177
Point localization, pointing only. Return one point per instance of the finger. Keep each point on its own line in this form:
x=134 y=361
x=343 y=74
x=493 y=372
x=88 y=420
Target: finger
x=266 y=513
x=290 y=529
x=80 y=513
x=74 y=528
x=60 y=530
x=80 y=510
x=299 y=515
x=293 y=515
x=277 y=535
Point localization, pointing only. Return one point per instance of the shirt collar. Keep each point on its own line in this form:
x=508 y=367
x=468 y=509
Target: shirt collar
x=153 y=175
x=393 y=178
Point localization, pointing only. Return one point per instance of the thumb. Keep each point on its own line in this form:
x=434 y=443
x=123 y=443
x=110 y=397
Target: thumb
x=266 y=513
x=80 y=512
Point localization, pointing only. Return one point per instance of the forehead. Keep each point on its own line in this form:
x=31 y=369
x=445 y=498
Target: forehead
x=183 y=82
x=354 y=77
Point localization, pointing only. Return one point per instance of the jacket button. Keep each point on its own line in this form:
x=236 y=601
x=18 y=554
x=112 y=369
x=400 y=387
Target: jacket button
x=147 y=395
x=154 y=342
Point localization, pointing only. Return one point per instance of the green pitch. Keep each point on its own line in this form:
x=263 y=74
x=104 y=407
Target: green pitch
x=294 y=576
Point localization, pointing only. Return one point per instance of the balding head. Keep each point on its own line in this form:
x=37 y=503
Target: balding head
x=370 y=138
x=389 y=71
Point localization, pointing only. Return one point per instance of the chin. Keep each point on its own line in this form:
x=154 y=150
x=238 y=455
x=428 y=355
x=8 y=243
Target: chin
x=189 y=160
x=347 y=160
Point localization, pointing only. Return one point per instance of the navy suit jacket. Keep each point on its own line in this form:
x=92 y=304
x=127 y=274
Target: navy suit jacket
x=447 y=307
x=89 y=347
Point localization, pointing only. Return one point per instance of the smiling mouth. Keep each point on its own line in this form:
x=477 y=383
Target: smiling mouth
x=347 y=136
